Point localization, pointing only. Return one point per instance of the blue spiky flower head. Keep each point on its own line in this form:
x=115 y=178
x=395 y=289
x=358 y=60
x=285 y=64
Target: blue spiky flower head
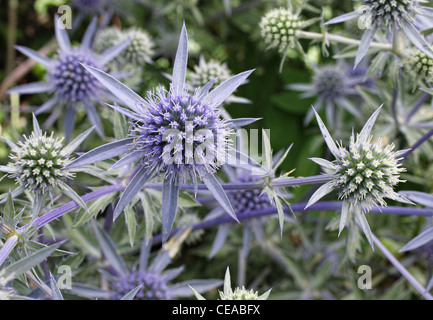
x=391 y=15
x=153 y=285
x=71 y=85
x=151 y=276
x=364 y=174
x=175 y=135
x=139 y=51
x=334 y=86
x=249 y=200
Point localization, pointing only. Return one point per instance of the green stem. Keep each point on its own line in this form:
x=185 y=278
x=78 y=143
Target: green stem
x=340 y=39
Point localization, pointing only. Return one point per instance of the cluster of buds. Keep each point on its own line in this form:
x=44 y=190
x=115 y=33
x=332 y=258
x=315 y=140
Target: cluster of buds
x=38 y=163
x=279 y=27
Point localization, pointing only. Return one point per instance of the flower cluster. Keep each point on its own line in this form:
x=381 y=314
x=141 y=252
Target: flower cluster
x=139 y=51
x=39 y=163
x=420 y=66
x=153 y=286
x=248 y=200
x=389 y=12
x=180 y=136
x=278 y=28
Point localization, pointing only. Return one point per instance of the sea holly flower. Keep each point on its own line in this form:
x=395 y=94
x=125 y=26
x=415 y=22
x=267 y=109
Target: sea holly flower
x=279 y=29
x=72 y=86
x=364 y=174
x=37 y=164
x=170 y=132
x=419 y=66
x=238 y=294
x=139 y=51
x=392 y=15
x=151 y=278
x=334 y=87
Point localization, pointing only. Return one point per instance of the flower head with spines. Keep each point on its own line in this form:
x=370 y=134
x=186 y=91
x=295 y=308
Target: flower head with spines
x=334 y=86
x=249 y=200
x=364 y=174
x=389 y=12
x=419 y=66
x=154 y=286
x=175 y=135
x=170 y=134
x=72 y=86
x=38 y=165
x=150 y=276
x=278 y=28
x=140 y=50
x=393 y=15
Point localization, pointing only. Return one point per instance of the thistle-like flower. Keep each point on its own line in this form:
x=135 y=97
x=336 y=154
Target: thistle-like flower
x=419 y=66
x=175 y=135
x=70 y=83
x=151 y=278
x=237 y=294
x=249 y=200
x=364 y=174
x=139 y=51
x=278 y=28
x=38 y=165
x=391 y=15
x=335 y=87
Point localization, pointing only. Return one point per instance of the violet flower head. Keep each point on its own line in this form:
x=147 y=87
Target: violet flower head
x=335 y=88
x=71 y=85
x=175 y=135
x=391 y=15
x=150 y=277
x=248 y=200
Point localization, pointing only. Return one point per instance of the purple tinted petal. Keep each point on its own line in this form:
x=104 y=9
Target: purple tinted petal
x=180 y=63
x=114 y=51
x=366 y=40
x=118 y=89
x=90 y=32
x=62 y=36
x=45 y=61
x=36 y=87
x=225 y=89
